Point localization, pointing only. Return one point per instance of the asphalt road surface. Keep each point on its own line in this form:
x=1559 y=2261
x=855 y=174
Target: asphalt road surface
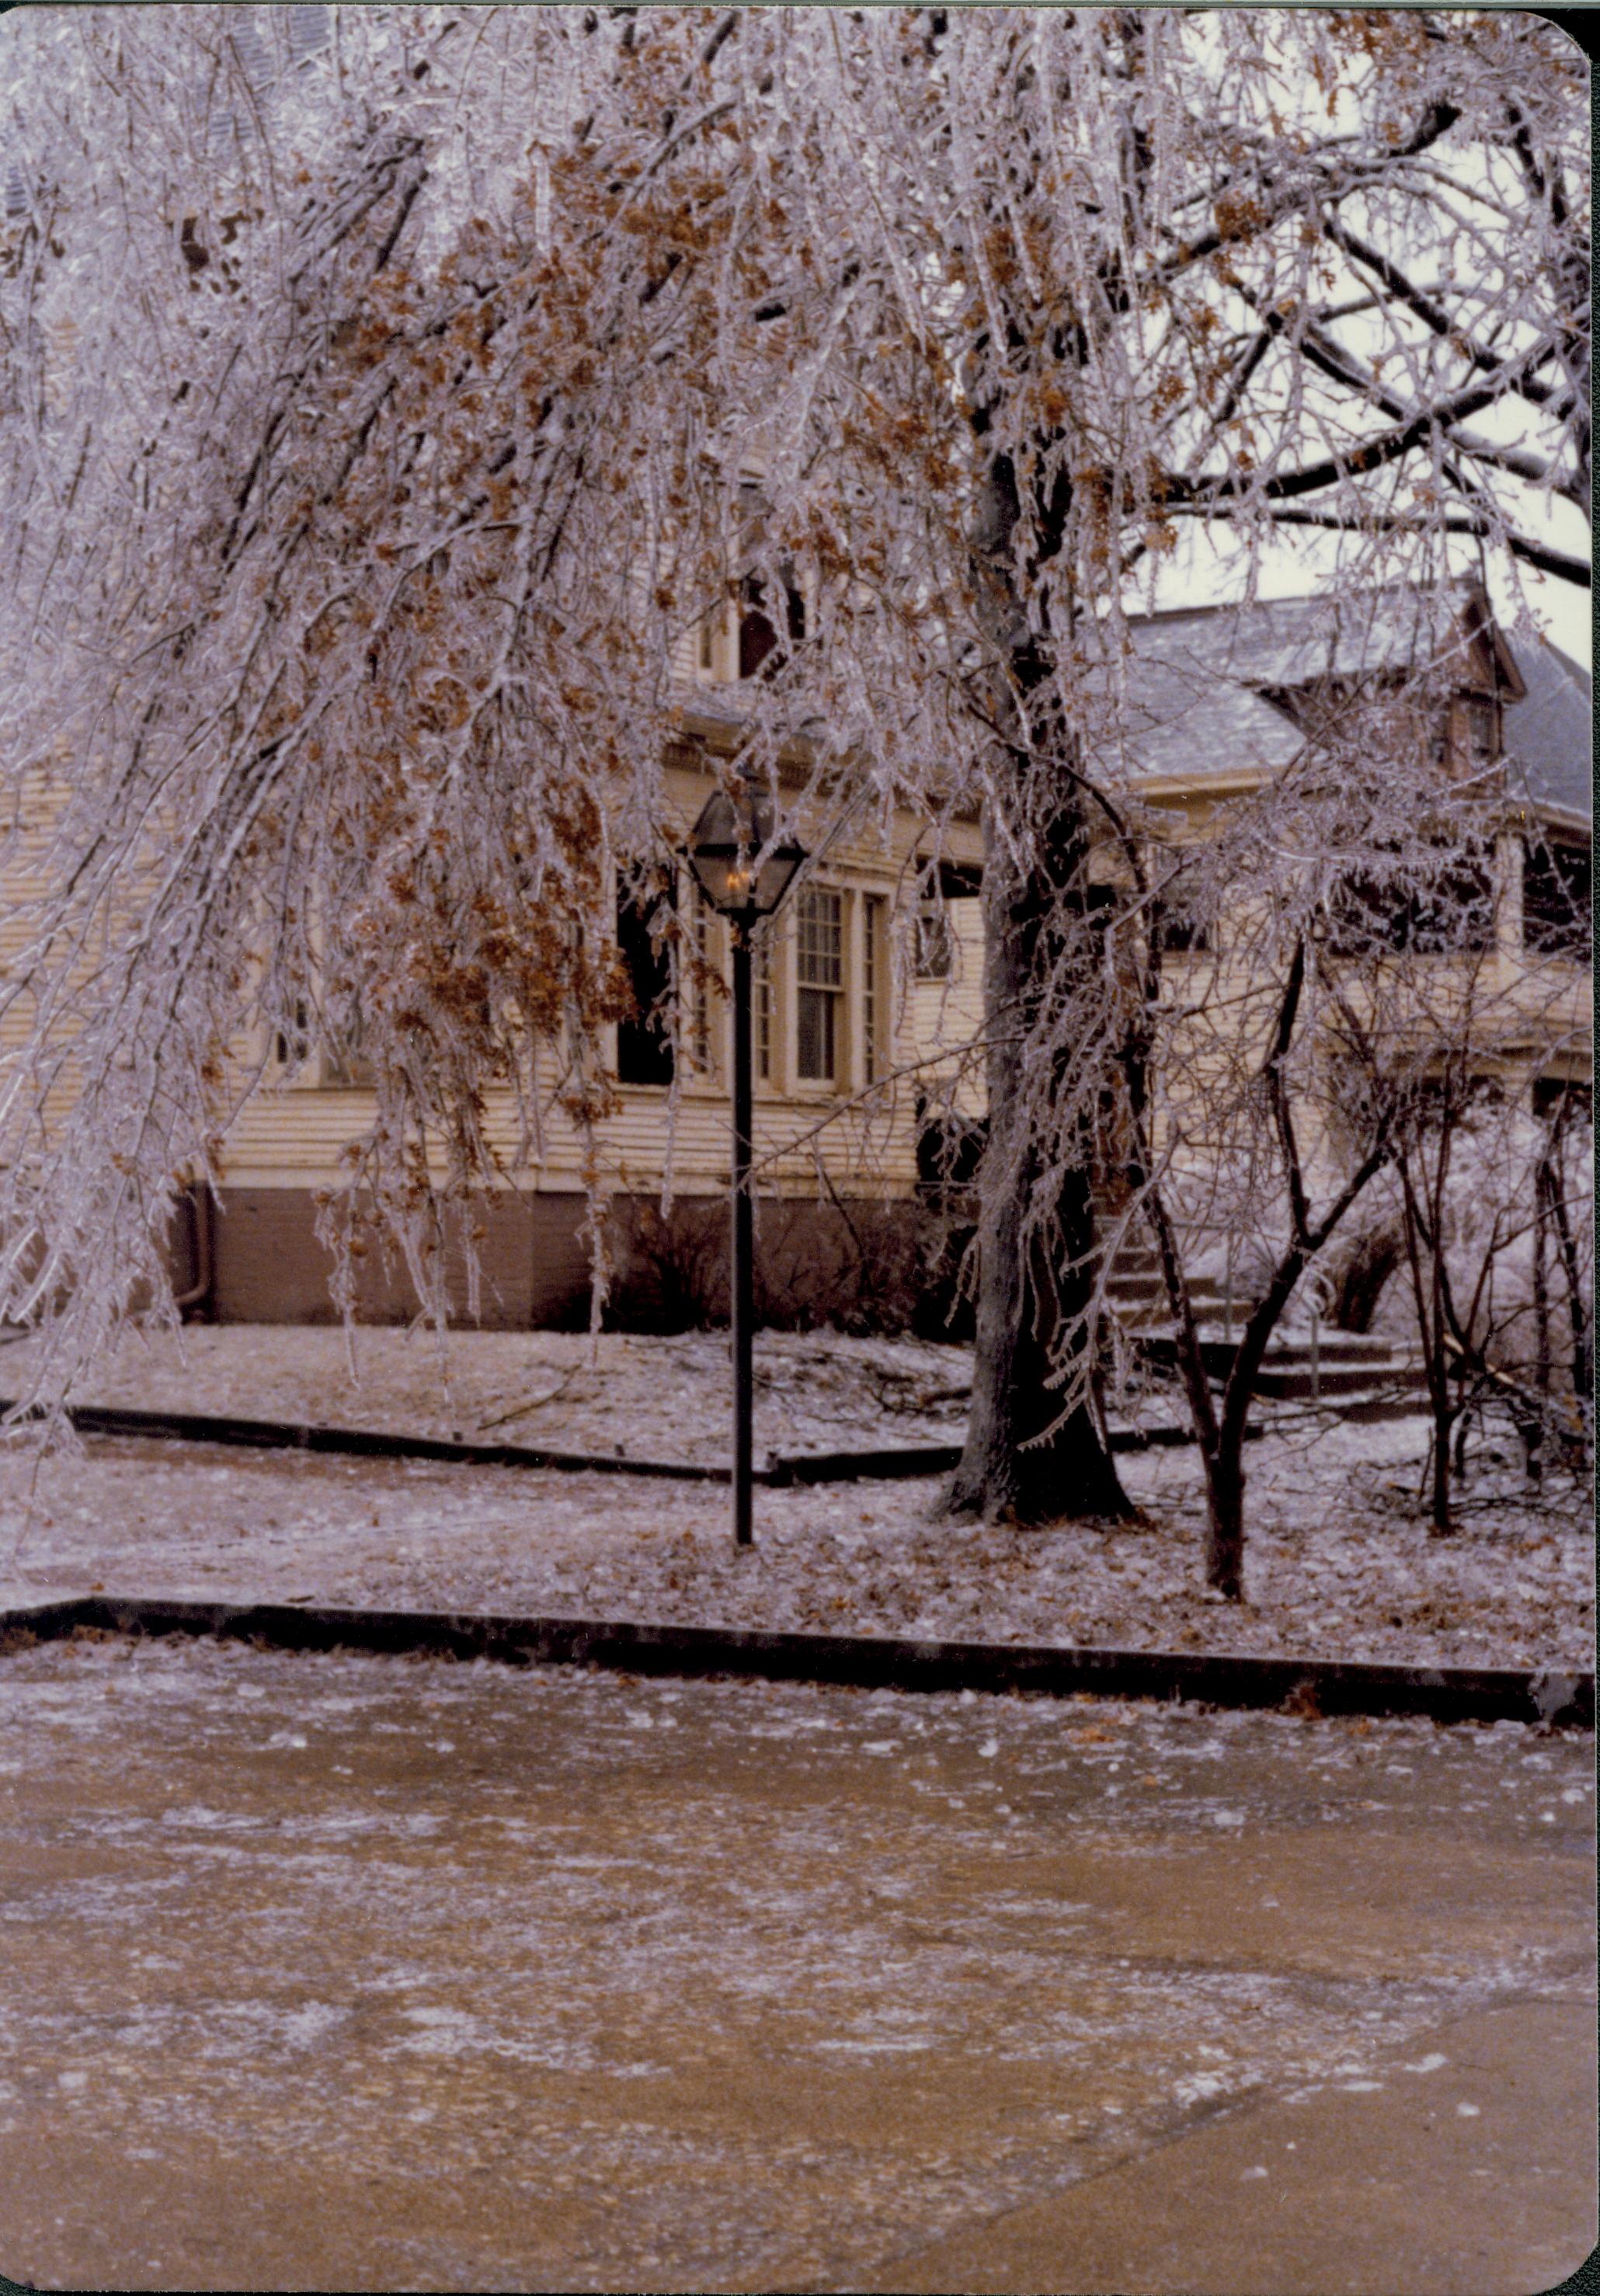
x=360 y=1973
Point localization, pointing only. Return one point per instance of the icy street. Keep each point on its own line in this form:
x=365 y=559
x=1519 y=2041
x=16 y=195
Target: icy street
x=367 y=1973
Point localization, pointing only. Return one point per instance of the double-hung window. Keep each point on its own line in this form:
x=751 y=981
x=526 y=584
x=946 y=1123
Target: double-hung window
x=818 y=984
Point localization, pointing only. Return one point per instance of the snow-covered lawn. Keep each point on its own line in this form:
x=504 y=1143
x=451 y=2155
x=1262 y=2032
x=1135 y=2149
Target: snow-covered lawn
x=1340 y=1561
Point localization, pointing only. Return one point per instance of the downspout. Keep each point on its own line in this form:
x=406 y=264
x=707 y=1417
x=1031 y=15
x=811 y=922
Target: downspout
x=198 y=1297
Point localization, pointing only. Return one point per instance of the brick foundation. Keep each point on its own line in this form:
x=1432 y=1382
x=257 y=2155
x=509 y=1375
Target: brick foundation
x=268 y=1268
x=860 y=1264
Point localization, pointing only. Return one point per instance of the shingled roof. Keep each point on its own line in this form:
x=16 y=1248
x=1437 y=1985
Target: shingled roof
x=1199 y=679
x=1549 y=734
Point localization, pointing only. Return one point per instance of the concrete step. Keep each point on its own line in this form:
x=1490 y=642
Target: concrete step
x=1205 y=1291
x=1367 y=1409
x=1332 y=1346
x=1334 y=1380
x=1350 y=1354
x=1358 y=1374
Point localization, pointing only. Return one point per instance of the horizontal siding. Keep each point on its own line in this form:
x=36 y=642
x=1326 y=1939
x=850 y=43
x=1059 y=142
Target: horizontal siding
x=296 y=1135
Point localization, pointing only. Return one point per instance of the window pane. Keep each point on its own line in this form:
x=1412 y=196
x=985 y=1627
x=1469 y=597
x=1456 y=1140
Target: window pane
x=819 y=939
x=763 y=1004
x=873 y=1007
x=700 y=1000
x=814 y=1034
x=935 y=947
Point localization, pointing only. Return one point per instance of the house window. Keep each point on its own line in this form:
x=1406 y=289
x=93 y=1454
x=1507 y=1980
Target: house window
x=1557 y=900
x=1482 y=730
x=1558 y=1101
x=1442 y=909
x=934 y=954
x=760 y=647
x=1181 y=922
x=700 y=986
x=873 y=987
x=346 y=1062
x=644 y=1037
x=291 y=1047
x=819 y=983
x=769 y=623
x=325 y=1042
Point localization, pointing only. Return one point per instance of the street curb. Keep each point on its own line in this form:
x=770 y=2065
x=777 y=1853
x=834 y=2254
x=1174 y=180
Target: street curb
x=1306 y=1686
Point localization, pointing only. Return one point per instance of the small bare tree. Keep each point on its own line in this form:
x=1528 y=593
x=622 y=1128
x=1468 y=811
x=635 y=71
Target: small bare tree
x=1565 y=1189
x=1490 y=1172
x=1353 y=981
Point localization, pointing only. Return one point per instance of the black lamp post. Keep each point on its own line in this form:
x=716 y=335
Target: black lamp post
x=744 y=875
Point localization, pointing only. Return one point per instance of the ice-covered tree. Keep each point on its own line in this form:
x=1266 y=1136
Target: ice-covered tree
x=1494 y=1203
x=380 y=388
x=1327 y=997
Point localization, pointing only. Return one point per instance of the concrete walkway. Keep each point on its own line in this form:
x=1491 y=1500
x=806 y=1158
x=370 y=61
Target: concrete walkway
x=1352 y=2192
x=340 y=1970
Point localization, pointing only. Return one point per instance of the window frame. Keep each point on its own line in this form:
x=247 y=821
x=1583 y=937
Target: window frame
x=876 y=986
x=835 y=992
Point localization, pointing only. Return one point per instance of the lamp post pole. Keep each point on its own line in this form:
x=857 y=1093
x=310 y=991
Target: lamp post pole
x=743 y=868
x=742 y=1317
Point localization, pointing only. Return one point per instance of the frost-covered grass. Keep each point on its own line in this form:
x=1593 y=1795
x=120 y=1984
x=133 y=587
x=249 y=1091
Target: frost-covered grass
x=1340 y=1561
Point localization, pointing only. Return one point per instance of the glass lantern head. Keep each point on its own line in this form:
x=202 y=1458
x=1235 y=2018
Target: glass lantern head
x=724 y=845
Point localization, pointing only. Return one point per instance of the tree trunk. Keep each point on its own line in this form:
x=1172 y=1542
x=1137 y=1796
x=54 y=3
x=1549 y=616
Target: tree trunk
x=1583 y=1338
x=1225 y=1520
x=1443 y=1522
x=1542 y=1289
x=1438 y=1368
x=1028 y=1297
x=1039 y=943
x=1006 y=1473
x=1225 y=1464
